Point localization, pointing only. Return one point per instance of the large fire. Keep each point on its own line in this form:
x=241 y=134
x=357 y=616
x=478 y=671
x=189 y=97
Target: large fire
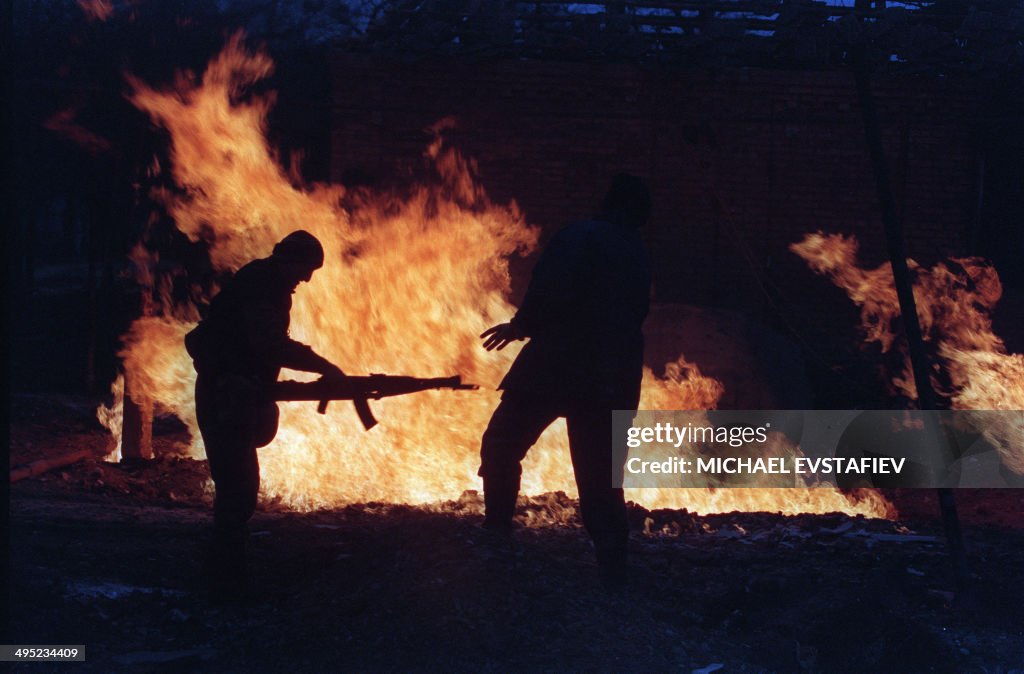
x=954 y=304
x=408 y=285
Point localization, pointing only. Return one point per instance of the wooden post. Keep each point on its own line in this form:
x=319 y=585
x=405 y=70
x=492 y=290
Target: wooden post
x=908 y=306
x=136 y=424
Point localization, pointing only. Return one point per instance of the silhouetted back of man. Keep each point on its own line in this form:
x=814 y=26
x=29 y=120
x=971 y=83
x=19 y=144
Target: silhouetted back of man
x=582 y=313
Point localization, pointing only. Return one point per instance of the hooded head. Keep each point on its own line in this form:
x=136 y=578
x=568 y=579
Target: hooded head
x=300 y=253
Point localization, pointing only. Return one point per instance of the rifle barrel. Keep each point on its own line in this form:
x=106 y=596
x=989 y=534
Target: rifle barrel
x=374 y=386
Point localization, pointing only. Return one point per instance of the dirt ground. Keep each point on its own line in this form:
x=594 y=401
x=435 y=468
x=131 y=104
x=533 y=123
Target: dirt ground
x=111 y=556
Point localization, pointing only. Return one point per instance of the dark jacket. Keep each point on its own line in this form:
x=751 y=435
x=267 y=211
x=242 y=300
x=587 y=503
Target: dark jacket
x=583 y=313
x=246 y=330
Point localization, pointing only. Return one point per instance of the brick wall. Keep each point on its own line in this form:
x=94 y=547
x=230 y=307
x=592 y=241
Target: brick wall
x=741 y=162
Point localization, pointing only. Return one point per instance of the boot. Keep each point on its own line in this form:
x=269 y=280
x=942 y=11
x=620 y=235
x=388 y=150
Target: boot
x=613 y=568
x=227 y=568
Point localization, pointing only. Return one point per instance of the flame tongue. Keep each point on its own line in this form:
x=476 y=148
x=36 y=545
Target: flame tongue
x=954 y=303
x=407 y=287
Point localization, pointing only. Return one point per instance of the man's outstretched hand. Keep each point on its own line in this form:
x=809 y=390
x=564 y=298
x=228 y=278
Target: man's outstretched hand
x=499 y=336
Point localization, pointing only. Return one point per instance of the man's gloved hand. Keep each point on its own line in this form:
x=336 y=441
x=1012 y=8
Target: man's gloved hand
x=332 y=371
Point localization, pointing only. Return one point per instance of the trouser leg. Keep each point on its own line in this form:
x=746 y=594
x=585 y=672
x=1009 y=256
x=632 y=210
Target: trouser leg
x=236 y=479
x=234 y=463
x=602 y=506
x=234 y=467
x=514 y=428
x=237 y=487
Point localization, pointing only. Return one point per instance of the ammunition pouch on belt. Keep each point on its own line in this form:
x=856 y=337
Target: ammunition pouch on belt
x=243 y=407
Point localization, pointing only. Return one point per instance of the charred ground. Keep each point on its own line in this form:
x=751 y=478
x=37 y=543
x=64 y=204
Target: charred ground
x=110 y=556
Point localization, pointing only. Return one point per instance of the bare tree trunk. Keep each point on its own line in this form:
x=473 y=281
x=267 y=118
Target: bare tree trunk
x=908 y=305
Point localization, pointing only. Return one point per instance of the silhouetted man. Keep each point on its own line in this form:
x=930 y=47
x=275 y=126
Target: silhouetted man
x=238 y=351
x=583 y=312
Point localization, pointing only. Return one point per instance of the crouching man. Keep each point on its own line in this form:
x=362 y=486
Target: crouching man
x=238 y=351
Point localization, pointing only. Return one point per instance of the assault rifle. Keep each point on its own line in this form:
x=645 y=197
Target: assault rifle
x=360 y=389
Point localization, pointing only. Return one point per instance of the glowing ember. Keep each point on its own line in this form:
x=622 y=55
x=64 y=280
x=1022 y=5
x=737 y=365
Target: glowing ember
x=97 y=10
x=408 y=285
x=954 y=303
x=65 y=123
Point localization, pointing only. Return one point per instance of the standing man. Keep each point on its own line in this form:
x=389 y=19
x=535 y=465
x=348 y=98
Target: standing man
x=238 y=351
x=583 y=312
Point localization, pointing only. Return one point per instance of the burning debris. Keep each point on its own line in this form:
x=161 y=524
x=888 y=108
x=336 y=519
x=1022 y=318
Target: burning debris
x=410 y=281
x=955 y=299
x=367 y=552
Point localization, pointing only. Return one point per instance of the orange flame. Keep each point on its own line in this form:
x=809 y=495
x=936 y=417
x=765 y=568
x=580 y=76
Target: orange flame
x=954 y=304
x=408 y=285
